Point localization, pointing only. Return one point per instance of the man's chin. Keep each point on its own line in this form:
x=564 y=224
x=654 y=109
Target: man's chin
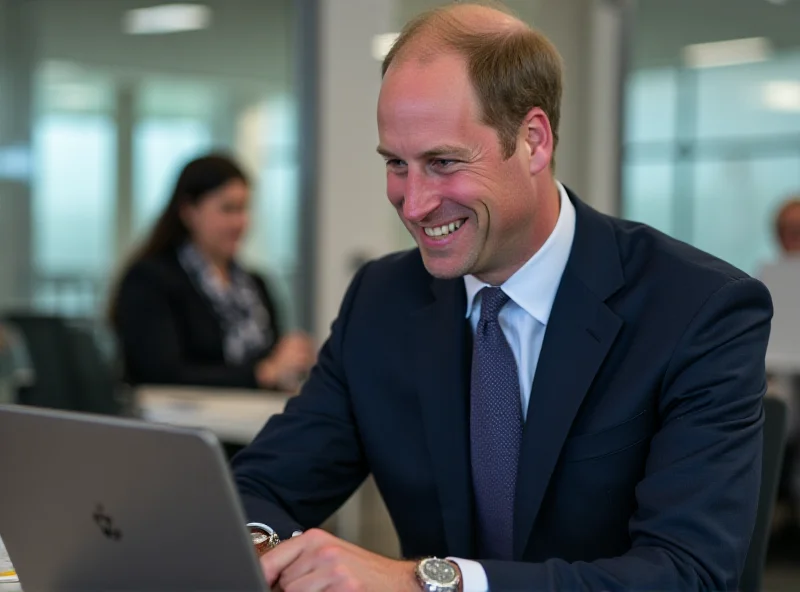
x=443 y=269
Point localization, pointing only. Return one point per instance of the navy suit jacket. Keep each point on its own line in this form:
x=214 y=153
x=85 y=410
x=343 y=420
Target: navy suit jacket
x=641 y=454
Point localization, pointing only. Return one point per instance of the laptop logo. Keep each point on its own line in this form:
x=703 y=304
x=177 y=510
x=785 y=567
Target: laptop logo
x=106 y=524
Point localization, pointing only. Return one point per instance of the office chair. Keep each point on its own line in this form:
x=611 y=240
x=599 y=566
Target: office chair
x=69 y=370
x=775 y=428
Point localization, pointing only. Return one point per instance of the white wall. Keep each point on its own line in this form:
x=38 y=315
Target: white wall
x=354 y=218
x=588 y=34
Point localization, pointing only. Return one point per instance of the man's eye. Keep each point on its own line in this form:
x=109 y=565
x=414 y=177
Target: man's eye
x=444 y=163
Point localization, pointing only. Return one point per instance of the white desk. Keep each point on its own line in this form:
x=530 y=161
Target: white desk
x=235 y=416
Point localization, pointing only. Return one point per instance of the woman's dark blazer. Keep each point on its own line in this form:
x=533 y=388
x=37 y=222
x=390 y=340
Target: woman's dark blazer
x=169 y=332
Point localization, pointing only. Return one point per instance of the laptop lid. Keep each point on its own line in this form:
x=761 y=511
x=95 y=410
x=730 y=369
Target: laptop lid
x=95 y=504
x=783 y=281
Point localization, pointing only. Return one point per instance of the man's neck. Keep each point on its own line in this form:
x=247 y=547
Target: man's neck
x=544 y=224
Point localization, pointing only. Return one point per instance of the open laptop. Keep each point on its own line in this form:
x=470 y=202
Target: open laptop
x=99 y=504
x=783 y=281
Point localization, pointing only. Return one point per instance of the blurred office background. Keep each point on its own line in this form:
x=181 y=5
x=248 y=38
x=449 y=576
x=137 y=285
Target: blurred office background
x=102 y=102
x=102 y=106
x=712 y=130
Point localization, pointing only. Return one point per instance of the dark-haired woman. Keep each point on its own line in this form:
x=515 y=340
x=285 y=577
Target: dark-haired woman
x=186 y=313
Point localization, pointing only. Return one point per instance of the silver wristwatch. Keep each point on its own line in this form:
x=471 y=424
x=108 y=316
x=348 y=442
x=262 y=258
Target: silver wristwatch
x=438 y=575
x=264 y=537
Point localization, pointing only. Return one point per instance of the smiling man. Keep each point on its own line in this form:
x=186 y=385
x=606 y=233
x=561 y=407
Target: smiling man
x=547 y=397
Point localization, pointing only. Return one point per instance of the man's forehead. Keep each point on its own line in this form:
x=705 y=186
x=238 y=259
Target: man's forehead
x=419 y=86
x=435 y=64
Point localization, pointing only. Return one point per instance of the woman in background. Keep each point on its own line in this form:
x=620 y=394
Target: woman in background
x=186 y=312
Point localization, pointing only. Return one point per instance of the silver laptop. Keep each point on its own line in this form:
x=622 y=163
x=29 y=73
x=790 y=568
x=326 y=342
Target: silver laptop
x=783 y=280
x=97 y=504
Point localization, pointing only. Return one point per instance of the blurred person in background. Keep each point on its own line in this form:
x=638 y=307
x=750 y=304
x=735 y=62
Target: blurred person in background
x=186 y=312
x=787 y=227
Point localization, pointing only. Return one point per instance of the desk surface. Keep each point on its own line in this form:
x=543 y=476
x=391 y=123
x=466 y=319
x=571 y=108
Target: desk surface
x=235 y=416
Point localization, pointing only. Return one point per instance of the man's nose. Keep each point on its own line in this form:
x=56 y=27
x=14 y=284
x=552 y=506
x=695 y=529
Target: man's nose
x=420 y=198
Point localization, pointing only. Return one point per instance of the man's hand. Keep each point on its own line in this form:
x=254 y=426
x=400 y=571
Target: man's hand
x=317 y=560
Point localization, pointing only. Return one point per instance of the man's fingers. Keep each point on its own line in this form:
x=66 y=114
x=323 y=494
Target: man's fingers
x=301 y=550
x=313 y=582
x=330 y=578
x=275 y=561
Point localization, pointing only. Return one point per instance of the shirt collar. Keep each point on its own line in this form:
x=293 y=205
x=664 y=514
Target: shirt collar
x=534 y=285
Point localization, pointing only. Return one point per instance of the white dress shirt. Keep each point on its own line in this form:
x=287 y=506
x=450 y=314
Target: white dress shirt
x=532 y=291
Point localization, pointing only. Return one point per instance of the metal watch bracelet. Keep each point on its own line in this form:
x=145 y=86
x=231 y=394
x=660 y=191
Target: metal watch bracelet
x=264 y=537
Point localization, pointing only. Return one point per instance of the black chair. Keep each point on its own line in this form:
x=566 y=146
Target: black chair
x=69 y=369
x=97 y=387
x=775 y=428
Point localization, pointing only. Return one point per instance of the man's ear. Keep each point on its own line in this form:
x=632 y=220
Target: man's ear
x=538 y=137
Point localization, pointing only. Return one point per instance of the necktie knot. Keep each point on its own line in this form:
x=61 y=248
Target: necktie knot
x=492 y=300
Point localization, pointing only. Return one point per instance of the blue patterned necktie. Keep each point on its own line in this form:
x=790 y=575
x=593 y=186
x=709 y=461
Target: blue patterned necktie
x=495 y=429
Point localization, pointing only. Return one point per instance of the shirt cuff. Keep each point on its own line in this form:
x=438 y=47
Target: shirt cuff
x=472 y=574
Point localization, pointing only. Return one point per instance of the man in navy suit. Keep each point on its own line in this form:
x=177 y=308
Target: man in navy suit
x=547 y=397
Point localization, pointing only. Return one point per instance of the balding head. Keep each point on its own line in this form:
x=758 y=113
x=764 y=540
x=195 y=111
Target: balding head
x=446 y=27
x=511 y=67
x=442 y=22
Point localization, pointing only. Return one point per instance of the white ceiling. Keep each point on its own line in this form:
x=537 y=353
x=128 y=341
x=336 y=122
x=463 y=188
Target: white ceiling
x=661 y=28
x=247 y=39
x=252 y=39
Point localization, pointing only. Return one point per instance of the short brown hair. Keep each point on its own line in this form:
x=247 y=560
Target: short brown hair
x=512 y=71
x=780 y=217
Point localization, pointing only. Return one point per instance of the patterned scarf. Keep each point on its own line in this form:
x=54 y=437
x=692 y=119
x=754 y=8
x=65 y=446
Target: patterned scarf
x=245 y=321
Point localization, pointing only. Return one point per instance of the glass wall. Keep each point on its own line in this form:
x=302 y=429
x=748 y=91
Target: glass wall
x=712 y=132
x=121 y=103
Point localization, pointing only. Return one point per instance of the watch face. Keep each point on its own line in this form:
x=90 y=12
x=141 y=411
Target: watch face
x=438 y=571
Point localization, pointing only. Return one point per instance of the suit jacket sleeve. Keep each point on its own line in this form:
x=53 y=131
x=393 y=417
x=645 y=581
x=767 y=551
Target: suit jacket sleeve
x=307 y=461
x=697 y=502
x=151 y=340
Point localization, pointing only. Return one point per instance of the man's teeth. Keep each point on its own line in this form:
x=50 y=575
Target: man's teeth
x=443 y=230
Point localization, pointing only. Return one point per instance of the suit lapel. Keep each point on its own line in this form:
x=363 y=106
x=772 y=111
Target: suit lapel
x=579 y=334
x=443 y=379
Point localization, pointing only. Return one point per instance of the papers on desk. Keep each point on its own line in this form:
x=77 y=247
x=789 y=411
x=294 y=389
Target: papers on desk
x=783 y=281
x=234 y=416
x=7 y=573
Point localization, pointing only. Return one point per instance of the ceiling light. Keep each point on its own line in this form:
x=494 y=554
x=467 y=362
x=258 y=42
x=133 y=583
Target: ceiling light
x=381 y=44
x=782 y=95
x=727 y=53
x=166 y=18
